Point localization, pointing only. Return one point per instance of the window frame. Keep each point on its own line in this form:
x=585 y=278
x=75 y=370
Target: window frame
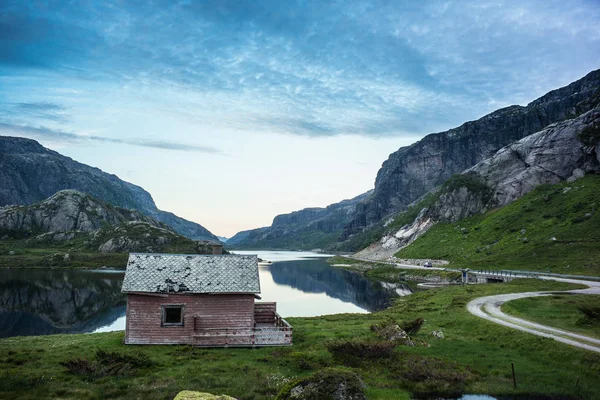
x=163 y=319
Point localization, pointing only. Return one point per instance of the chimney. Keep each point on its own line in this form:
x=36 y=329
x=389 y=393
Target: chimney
x=217 y=249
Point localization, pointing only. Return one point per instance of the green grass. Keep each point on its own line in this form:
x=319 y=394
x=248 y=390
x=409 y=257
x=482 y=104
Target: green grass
x=30 y=367
x=559 y=311
x=552 y=229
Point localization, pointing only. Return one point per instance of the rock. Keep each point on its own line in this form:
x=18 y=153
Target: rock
x=67 y=257
x=437 y=334
x=412 y=171
x=11 y=253
x=328 y=384
x=190 y=395
x=65 y=213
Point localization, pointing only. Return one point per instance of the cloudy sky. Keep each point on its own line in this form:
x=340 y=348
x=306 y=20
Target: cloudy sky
x=230 y=112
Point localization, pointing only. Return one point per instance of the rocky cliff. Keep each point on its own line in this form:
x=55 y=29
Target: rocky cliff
x=84 y=223
x=414 y=170
x=306 y=229
x=564 y=151
x=30 y=173
x=66 y=211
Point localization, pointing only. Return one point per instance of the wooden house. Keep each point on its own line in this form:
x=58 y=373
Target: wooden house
x=201 y=300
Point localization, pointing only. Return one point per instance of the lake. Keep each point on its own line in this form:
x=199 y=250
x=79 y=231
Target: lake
x=43 y=302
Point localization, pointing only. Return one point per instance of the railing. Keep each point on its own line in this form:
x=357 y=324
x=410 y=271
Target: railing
x=277 y=333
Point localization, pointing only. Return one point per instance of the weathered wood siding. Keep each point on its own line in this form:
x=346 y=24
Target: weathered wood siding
x=205 y=318
x=264 y=312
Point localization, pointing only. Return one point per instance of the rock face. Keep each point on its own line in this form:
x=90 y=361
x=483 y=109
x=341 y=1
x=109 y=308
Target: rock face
x=563 y=151
x=30 y=173
x=66 y=211
x=414 y=170
x=305 y=229
x=69 y=215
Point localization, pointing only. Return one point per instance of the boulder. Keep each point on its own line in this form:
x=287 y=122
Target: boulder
x=328 y=384
x=190 y=395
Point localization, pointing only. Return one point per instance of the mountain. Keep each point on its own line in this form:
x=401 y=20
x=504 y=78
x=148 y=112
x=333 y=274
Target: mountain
x=67 y=211
x=222 y=239
x=73 y=229
x=306 y=229
x=30 y=173
x=85 y=224
x=564 y=151
x=412 y=171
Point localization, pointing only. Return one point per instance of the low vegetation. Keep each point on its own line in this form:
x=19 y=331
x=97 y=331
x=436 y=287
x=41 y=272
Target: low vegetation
x=552 y=229
x=389 y=273
x=473 y=357
x=576 y=313
x=82 y=251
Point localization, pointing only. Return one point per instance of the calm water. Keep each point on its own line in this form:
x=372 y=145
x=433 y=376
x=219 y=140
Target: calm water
x=38 y=302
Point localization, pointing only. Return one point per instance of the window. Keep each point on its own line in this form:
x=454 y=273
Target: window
x=172 y=315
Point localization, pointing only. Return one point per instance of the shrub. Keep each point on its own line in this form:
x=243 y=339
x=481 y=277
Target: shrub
x=430 y=376
x=107 y=363
x=412 y=327
x=591 y=314
x=355 y=352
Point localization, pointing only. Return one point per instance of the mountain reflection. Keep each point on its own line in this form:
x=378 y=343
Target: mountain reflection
x=41 y=302
x=316 y=276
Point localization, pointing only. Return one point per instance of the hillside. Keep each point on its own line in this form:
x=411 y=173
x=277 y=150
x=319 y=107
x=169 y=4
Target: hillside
x=73 y=229
x=564 y=151
x=30 y=173
x=553 y=228
x=307 y=229
x=412 y=171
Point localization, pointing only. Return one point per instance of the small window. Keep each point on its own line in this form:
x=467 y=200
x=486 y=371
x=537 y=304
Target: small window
x=172 y=315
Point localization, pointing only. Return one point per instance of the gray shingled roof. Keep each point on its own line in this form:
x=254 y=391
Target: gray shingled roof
x=191 y=273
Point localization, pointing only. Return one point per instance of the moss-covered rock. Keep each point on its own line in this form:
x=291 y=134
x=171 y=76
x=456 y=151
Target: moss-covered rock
x=190 y=395
x=327 y=384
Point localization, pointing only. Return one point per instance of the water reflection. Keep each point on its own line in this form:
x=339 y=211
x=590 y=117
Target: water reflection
x=316 y=276
x=41 y=302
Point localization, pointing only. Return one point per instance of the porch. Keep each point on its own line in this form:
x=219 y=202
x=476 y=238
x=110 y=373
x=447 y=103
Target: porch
x=269 y=330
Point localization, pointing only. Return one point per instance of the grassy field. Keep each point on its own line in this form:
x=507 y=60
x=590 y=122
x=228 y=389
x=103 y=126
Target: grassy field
x=576 y=313
x=552 y=229
x=474 y=357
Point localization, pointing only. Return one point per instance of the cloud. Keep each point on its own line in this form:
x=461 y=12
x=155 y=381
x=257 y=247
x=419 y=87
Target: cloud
x=35 y=110
x=312 y=68
x=69 y=137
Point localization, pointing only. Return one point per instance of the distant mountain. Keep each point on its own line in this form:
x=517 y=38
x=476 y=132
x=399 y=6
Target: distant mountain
x=223 y=239
x=307 y=229
x=30 y=173
x=412 y=171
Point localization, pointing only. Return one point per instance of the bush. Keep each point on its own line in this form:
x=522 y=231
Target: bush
x=431 y=376
x=412 y=327
x=591 y=315
x=107 y=363
x=355 y=352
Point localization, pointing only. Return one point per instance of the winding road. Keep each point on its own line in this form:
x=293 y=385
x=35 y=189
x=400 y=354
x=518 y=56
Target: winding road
x=489 y=308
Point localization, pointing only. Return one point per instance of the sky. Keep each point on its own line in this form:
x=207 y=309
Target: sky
x=231 y=112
